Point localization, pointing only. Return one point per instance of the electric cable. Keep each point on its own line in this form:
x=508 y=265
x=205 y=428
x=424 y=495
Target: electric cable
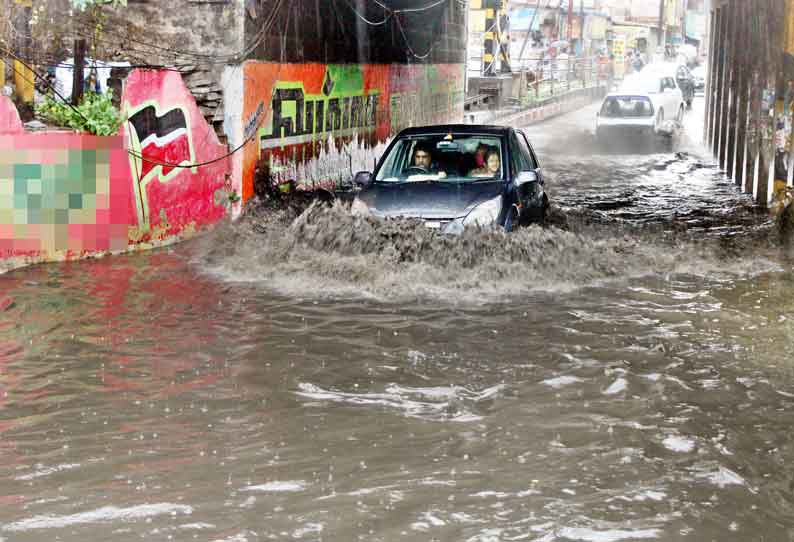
x=129 y=151
x=385 y=20
x=257 y=39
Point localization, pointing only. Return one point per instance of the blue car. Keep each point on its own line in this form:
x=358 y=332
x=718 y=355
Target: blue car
x=455 y=176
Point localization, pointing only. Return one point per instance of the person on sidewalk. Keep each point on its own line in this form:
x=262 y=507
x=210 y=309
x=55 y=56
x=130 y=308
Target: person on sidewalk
x=562 y=65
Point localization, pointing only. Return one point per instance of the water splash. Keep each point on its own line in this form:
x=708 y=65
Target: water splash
x=326 y=252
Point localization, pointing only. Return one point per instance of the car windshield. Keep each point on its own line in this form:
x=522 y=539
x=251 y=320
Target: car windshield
x=626 y=106
x=450 y=158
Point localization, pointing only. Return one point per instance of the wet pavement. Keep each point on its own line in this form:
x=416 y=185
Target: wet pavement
x=624 y=374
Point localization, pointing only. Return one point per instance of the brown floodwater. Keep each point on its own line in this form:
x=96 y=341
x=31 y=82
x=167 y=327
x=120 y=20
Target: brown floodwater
x=624 y=374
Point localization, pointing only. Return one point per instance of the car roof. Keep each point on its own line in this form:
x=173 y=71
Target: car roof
x=640 y=83
x=441 y=129
x=628 y=94
x=666 y=68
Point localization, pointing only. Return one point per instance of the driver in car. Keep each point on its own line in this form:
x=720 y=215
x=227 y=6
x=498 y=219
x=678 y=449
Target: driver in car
x=423 y=160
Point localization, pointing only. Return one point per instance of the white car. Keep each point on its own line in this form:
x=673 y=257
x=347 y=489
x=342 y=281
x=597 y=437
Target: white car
x=681 y=75
x=699 y=74
x=645 y=104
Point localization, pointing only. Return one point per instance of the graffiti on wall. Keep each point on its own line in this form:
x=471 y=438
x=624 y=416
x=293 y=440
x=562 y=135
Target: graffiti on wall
x=167 y=135
x=160 y=142
x=425 y=94
x=66 y=194
x=323 y=120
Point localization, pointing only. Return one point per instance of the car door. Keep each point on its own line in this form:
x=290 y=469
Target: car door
x=664 y=98
x=673 y=97
x=532 y=199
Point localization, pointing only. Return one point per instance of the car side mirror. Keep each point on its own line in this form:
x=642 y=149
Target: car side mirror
x=363 y=179
x=526 y=177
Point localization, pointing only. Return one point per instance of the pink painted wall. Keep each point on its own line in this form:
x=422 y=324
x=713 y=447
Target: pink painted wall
x=166 y=126
x=9 y=117
x=69 y=195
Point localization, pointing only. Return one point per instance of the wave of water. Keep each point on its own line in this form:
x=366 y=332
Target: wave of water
x=326 y=252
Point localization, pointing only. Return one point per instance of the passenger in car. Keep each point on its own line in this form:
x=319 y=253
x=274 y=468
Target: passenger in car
x=473 y=160
x=491 y=168
x=479 y=156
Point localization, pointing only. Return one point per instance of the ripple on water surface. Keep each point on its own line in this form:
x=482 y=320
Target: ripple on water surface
x=334 y=378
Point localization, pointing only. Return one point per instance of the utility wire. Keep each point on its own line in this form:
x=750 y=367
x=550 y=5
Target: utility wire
x=129 y=151
x=388 y=14
x=424 y=8
x=256 y=40
x=409 y=10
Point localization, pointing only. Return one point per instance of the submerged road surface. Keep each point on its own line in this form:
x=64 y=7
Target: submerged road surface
x=624 y=374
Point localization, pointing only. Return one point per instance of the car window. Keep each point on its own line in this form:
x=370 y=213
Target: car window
x=626 y=107
x=526 y=149
x=519 y=156
x=532 y=157
x=445 y=158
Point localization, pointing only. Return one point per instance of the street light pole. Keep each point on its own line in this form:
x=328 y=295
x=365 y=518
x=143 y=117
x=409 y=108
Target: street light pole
x=570 y=21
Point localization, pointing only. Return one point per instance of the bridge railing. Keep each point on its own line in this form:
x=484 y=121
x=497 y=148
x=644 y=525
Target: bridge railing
x=547 y=78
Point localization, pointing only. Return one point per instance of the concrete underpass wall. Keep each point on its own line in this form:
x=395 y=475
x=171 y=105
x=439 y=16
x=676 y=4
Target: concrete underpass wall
x=750 y=94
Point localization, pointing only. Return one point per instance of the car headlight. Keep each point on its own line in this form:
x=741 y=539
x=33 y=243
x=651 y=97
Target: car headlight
x=485 y=214
x=359 y=208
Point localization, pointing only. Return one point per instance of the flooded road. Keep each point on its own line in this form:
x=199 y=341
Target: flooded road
x=625 y=374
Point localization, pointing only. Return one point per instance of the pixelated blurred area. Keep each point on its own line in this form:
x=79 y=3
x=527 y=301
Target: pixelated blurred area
x=62 y=195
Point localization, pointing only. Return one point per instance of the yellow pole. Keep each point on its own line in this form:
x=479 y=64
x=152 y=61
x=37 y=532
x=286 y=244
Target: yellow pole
x=24 y=81
x=23 y=76
x=788 y=46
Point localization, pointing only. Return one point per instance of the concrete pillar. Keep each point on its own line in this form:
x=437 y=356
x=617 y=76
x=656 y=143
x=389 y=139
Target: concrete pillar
x=742 y=90
x=709 y=90
x=488 y=60
x=753 y=139
x=729 y=147
x=724 y=85
x=789 y=90
x=775 y=38
x=719 y=54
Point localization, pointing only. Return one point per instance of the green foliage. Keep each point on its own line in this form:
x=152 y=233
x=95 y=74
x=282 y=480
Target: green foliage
x=83 y=4
x=95 y=114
